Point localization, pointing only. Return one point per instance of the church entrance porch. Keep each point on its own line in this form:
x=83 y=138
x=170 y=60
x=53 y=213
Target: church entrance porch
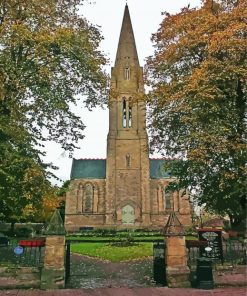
x=128 y=215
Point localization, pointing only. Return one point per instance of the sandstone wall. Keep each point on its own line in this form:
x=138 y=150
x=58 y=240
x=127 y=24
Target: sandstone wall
x=75 y=217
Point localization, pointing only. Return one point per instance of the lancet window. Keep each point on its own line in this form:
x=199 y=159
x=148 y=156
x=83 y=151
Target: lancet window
x=127 y=113
x=127 y=73
x=167 y=198
x=130 y=116
x=124 y=113
x=88 y=198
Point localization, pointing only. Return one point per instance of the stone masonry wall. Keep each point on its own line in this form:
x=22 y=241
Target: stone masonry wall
x=75 y=217
x=159 y=213
x=19 y=277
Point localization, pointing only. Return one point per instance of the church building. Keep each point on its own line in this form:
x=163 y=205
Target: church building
x=127 y=189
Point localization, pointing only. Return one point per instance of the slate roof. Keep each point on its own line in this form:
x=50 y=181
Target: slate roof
x=157 y=170
x=96 y=169
x=88 y=169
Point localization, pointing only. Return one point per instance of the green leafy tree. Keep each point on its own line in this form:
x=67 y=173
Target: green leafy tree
x=48 y=56
x=23 y=180
x=198 y=100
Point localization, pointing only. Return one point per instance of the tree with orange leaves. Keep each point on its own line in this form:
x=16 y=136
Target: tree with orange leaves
x=198 y=100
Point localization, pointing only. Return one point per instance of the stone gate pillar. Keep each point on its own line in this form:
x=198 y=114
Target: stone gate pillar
x=177 y=270
x=53 y=272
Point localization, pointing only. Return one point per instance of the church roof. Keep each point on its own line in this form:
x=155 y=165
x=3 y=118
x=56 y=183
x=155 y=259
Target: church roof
x=96 y=169
x=157 y=170
x=88 y=169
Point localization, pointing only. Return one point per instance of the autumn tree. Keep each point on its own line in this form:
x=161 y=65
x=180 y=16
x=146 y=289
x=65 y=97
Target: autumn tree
x=198 y=100
x=48 y=56
x=50 y=201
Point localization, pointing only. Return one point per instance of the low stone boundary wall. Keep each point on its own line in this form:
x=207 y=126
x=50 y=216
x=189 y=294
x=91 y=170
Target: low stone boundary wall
x=19 y=277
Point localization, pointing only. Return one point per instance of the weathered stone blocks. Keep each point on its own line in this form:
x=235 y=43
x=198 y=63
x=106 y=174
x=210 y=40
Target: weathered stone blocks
x=177 y=270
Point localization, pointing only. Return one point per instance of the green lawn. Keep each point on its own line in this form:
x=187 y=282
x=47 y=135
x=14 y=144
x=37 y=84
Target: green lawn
x=97 y=238
x=113 y=253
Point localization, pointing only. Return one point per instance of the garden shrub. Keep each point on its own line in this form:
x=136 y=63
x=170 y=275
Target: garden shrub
x=123 y=240
x=23 y=231
x=113 y=232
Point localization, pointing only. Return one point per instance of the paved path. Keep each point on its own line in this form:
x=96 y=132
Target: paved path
x=92 y=273
x=129 y=292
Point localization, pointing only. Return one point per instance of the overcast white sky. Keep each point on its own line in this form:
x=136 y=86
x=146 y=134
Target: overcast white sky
x=146 y=17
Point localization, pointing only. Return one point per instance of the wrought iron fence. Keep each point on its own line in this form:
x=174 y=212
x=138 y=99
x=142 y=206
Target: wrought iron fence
x=28 y=256
x=234 y=253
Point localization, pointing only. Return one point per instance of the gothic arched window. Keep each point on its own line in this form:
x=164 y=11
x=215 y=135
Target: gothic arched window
x=127 y=73
x=88 y=198
x=124 y=113
x=167 y=197
x=130 y=116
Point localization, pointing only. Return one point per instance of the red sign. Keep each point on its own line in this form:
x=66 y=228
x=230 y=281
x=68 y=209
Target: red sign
x=32 y=243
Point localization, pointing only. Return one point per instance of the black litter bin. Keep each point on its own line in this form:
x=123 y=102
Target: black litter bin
x=159 y=267
x=204 y=273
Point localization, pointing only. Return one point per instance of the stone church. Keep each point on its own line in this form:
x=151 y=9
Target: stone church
x=127 y=189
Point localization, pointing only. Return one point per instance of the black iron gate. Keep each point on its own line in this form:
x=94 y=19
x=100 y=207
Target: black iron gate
x=159 y=266
x=67 y=261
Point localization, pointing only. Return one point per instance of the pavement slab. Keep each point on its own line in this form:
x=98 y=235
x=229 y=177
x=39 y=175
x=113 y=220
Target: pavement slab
x=162 y=291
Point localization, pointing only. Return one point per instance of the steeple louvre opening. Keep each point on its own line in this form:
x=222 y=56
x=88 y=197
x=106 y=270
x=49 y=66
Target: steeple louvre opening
x=124 y=113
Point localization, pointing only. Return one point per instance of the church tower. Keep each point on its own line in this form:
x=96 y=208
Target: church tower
x=127 y=200
x=127 y=189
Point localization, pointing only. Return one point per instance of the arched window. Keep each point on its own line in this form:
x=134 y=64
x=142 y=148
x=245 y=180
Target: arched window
x=88 y=198
x=124 y=113
x=130 y=116
x=127 y=73
x=167 y=197
x=79 y=198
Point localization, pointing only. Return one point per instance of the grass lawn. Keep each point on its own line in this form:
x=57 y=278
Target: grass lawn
x=97 y=238
x=113 y=253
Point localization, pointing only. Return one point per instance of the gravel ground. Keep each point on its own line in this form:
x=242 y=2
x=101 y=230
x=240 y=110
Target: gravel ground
x=91 y=273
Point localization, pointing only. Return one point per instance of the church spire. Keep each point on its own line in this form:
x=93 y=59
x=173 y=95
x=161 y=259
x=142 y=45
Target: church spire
x=126 y=51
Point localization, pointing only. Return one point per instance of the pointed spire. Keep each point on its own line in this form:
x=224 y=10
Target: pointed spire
x=126 y=45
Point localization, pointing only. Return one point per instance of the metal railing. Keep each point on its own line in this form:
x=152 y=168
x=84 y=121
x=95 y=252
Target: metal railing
x=234 y=253
x=30 y=256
